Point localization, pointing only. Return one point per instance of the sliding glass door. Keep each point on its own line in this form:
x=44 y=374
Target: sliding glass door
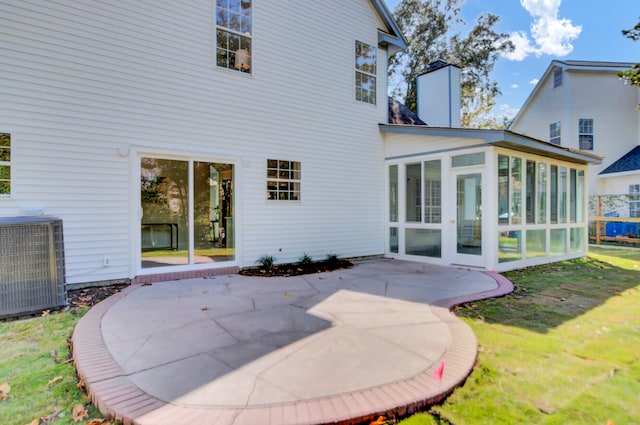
x=187 y=212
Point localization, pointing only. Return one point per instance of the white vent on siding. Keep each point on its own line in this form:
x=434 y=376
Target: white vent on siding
x=31 y=265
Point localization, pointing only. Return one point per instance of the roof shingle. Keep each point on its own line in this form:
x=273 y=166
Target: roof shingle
x=630 y=161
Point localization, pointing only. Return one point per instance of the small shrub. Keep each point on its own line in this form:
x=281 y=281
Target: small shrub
x=305 y=260
x=332 y=258
x=266 y=262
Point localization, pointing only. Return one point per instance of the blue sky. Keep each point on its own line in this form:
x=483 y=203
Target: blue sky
x=544 y=30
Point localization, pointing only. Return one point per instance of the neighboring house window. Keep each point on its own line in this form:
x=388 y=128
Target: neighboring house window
x=554 y=133
x=5 y=164
x=283 y=180
x=634 y=200
x=233 y=34
x=366 y=59
x=557 y=78
x=585 y=134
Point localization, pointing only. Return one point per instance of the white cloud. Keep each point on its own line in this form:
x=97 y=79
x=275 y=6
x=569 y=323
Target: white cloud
x=504 y=112
x=551 y=35
x=507 y=111
x=522 y=46
x=514 y=86
x=534 y=81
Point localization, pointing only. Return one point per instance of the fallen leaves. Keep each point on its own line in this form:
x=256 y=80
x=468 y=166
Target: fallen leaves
x=205 y=308
x=46 y=420
x=46 y=313
x=4 y=391
x=79 y=413
x=34 y=422
x=80 y=385
x=54 y=380
x=380 y=421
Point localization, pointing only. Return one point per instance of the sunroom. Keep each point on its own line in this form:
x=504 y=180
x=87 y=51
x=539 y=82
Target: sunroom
x=489 y=199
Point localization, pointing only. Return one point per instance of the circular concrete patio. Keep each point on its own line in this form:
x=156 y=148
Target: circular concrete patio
x=342 y=346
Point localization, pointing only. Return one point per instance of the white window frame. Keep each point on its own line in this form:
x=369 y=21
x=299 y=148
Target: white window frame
x=238 y=59
x=634 y=200
x=585 y=131
x=6 y=164
x=365 y=73
x=284 y=178
x=555 y=133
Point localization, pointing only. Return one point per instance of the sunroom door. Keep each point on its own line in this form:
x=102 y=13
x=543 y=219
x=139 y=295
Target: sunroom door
x=468 y=221
x=187 y=212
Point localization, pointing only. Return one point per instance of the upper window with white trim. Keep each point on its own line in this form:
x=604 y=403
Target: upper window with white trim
x=634 y=200
x=233 y=34
x=554 y=133
x=5 y=164
x=283 y=180
x=585 y=134
x=366 y=59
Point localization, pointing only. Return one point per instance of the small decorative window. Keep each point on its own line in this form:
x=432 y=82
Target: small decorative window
x=585 y=134
x=634 y=200
x=5 y=164
x=366 y=59
x=283 y=180
x=233 y=34
x=554 y=133
x=557 y=78
x=467 y=160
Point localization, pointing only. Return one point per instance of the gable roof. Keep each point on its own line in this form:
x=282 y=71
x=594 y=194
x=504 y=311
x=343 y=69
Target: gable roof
x=630 y=161
x=400 y=114
x=570 y=65
x=391 y=37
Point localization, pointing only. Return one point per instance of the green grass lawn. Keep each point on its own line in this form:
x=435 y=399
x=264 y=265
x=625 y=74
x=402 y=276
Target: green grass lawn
x=564 y=348
x=32 y=362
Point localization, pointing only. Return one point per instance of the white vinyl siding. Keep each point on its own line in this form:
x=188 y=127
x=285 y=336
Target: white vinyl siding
x=92 y=84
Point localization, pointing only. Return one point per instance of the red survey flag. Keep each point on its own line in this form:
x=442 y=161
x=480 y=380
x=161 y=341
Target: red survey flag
x=437 y=374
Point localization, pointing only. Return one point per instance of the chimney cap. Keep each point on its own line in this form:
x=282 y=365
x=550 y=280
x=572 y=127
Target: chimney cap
x=436 y=65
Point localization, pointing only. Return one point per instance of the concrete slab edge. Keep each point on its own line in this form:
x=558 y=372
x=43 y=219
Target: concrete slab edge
x=106 y=384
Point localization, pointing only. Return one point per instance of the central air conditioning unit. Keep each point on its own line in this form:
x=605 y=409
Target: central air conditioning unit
x=31 y=265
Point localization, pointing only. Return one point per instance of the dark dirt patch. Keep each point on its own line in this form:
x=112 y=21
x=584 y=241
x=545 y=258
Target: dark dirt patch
x=296 y=269
x=88 y=297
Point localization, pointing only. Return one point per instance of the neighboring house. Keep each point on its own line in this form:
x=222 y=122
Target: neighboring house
x=585 y=105
x=182 y=139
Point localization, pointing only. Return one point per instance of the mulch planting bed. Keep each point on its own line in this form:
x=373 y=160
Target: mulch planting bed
x=296 y=269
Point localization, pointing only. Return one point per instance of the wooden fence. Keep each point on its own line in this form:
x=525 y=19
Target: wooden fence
x=600 y=221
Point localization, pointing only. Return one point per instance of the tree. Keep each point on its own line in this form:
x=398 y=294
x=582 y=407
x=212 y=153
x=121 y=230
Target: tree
x=429 y=27
x=632 y=75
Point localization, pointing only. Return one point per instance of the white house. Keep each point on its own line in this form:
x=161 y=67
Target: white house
x=181 y=139
x=585 y=105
